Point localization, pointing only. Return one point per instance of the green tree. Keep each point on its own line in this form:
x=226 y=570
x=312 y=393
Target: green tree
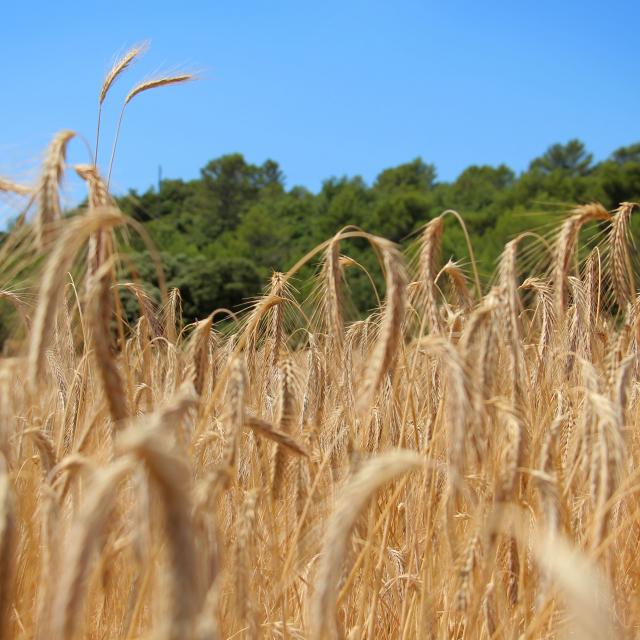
x=571 y=158
x=223 y=234
x=624 y=155
x=232 y=185
x=415 y=175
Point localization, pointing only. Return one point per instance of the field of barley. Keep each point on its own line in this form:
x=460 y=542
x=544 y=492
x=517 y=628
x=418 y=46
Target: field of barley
x=461 y=463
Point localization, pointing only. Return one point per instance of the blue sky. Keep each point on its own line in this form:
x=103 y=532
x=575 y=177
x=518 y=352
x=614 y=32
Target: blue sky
x=325 y=88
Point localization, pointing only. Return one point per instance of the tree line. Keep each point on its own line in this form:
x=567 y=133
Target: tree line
x=221 y=236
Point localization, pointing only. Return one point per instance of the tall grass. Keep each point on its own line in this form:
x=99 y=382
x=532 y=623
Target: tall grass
x=453 y=466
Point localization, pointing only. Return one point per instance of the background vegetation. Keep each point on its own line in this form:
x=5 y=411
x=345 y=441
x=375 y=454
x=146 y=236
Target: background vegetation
x=222 y=235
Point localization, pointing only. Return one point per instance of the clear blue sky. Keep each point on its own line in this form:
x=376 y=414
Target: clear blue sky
x=325 y=88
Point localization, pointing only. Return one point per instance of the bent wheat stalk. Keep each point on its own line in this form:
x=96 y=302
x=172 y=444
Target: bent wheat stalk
x=75 y=234
x=116 y=70
x=369 y=478
x=137 y=90
x=86 y=536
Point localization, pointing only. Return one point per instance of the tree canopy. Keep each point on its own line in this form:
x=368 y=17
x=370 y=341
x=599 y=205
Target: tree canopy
x=222 y=235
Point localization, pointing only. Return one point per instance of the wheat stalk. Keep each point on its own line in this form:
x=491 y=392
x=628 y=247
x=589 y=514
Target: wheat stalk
x=118 y=68
x=141 y=87
x=371 y=476
x=58 y=265
x=85 y=537
x=390 y=331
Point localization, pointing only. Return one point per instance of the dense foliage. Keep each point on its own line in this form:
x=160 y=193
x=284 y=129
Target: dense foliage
x=221 y=236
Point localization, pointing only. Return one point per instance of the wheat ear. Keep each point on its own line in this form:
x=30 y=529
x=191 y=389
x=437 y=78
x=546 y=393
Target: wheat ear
x=365 y=482
x=622 y=276
x=57 y=267
x=47 y=193
x=390 y=332
x=137 y=90
x=119 y=67
x=8 y=186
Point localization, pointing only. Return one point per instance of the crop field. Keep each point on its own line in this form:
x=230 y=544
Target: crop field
x=460 y=463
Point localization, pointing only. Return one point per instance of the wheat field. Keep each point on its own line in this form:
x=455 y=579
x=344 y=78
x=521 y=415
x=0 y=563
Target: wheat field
x=462 y=463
